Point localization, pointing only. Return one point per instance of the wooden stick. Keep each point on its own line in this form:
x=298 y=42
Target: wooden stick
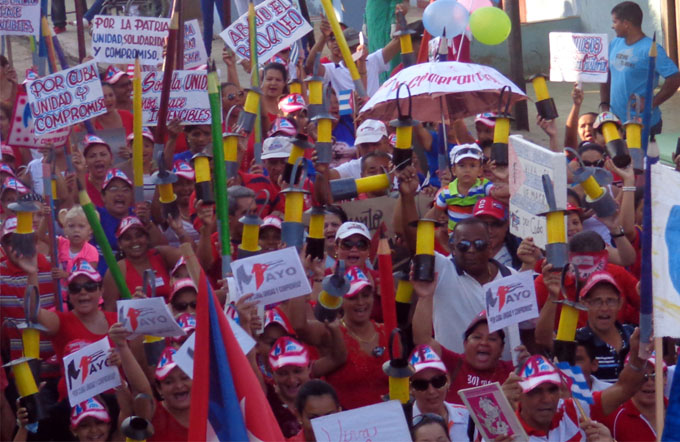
x=658 y=386
x=8 y=49
x=193 y=266
x=80 y=30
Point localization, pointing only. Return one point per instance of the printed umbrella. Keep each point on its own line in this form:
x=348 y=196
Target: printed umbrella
x=468 y=89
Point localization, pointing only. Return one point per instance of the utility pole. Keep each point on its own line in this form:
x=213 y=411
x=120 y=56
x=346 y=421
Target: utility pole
x=511 y=7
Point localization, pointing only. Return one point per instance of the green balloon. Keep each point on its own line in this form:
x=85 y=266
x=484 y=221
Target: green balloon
x=490 y=25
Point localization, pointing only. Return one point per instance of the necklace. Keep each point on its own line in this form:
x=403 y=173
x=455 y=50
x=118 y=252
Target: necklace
x=357 y=337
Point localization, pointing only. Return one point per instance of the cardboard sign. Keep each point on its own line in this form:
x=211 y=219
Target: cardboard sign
x=119 y=39
x=22 y=132
x=20 y=17
x=279 y=24
x=528 y=162
x=147 y=316
x=578 y=57
x=510 y=300
x=384 y=421
x=188 y=97
x=492 y=413
x=65 y=98
x=273 y=277
x=87 y=372
x=194 y=48
x=665 y=246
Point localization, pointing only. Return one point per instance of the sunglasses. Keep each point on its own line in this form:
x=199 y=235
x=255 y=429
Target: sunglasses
x=426 y=418
x=232 y=96
x=360 y=244
x=183 y=306
x=423 y=384
x=89 y=286
x=478 y=244
x=598 y=163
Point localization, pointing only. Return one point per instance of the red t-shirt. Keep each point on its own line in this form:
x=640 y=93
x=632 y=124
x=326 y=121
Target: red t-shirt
x=630 y=311
x=626 y=423
x=636 y=268
x=94 y=193
x=133 y=279
x=463 y=375
x=166 y=427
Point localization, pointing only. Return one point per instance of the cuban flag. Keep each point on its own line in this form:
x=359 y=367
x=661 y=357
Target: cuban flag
x=222 y=409
x=346 y=102
x=578 y=384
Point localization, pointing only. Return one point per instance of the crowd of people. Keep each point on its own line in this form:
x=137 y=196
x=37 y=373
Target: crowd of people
x=309 y=368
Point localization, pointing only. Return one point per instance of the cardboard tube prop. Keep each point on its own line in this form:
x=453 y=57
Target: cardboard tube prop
x=316 y=242
x=136 y=429
x=292 y=229
x=565 y=343
x=28 y=389
x=203 y=185
x=295 y=86
x=399 y=370
x=138 y=140
x=545 y=105
x=23 y=240
x=403 y=298
x=49 y=43
x=250 y=240
x=153 y=345
x=300 y=144
x=556 y=247
x=230 y=148
x=324 y=128
x=597 y=196
x=251 y=109
x=633 y=127
x=334 y=288
x=389 y=308
x=344 y=48
x=608 y=124
x=408 y=57
x=423 y=261
x=52 y=200
x=164 y=180
x=403 y=150
x=501 y=131
x=315 y=87
x=30 y=328
x=348 y=188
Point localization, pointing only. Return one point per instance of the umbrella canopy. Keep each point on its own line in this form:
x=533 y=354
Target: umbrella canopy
x=467 y=89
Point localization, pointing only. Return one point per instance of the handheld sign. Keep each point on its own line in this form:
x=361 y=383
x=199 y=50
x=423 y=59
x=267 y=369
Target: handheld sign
x=147 y=316
x=384 y=421
x=492 y=413
x=578 y=57
x=119 y=39
x=510 y=300
x=65 y=98
x=272 y=277
x=279 y=25
x=20 y=18
x=528 y=162
x=194 y=49
x=22 y=132
x=87 y=372
x=188 y=97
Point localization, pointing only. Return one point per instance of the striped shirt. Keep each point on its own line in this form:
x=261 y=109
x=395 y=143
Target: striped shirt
x=460 y=206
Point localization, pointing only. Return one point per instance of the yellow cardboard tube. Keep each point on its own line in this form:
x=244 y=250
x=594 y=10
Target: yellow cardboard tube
x=566 y=330
x=555 y=224
x=202 y=168
x=373 y=183
x=425 y=238
x=501 y=131
x=293 y=208
x=592 y=188
x=295 y=88
x=24 y=379
x=404 y=292
x=340 y=39
x=315 y=92
x=404 y=137
x=55 y=195
x=330 y=301
x=230 y=148
x=24 y=222
x=250 y=237
x=166 y=193
x=252 y=102
x=295 y=153
x=399 y=389
x=406 y=44
x=541 y=88
x=634 y=136
x=316 y=222
x=149 y=339
x=610 y=131
x=324 y=130
x=30 y=339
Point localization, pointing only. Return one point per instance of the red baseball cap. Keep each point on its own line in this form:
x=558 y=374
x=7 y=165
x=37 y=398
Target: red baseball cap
x=128 y=223
x=89 y=408
x=538 y=370
x=166 y=363
x=91 y=140
x=357 y=281
x=423 y=357
x=82 y=267
x=600 y=277
x=292 y=103
x=288 y=351
x=113 y=174
x=491 y=207
x=573 y=208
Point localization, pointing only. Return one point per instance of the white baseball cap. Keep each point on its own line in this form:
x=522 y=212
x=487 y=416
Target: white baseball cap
x=276 y=147
x=471 y=150
x=350 y=228
x=370 y=131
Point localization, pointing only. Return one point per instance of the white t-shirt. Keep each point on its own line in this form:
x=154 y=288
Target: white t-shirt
x=458 y=420
x=350 y=169
x=341 y=80
x=189 y=229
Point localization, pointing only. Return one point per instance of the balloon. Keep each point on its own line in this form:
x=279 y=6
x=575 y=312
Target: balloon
x=490 y=25
x=473 y=5
x=445 y=15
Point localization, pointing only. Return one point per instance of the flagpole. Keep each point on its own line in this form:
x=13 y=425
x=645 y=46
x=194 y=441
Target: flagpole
x=137 y=141
x=80 y=31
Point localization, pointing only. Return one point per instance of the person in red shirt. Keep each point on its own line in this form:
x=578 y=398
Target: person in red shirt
x=92 y=166
x=171 y=417
x=316 y=398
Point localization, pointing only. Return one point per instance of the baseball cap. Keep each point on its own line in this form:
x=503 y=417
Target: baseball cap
x=282 y=126
x=113 y=174
x=481 y=317
x=491 y=207
x=600 y=277
x=12 y=183
x=271 y=221
x=91 y=140
x=166 y=363
x=6 y=150
x=89 y=408
x=471 y=150
x=652 y=361
x=605 y=117
x=182 y=284
x=423 y=357
x=276 y=316
x=276 y=147
x=292 y=103
x=82 y=267
x=357 y=281
x=146 y=133
x=9 y=226
x=487 y=119
x=288 y=351
x=350 y=228
x=183 y=169
x=573 y=208
x=180 y=262
x=113 y=74
x=351 y=37
x=370 y=131
x=4 y=168
x=536 y=371
x=128 y=223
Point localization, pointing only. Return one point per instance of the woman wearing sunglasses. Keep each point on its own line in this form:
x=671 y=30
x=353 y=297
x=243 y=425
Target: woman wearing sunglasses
x=429 y=386
x=183 y=297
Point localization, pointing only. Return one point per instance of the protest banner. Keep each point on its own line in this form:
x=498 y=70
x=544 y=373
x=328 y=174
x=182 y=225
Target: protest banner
x=279 y=25
x=147 y=316
x=22 y=132
x=120 y=39
x=194 y=48
x=578 y=57
x=528 y=162
x=188 y=97
x=510 y=300
x=272 y=277
x=20 y=17
x=491 y=412
x=665 y=245
x=65 y=98
x=88 y=372
x=384 y=421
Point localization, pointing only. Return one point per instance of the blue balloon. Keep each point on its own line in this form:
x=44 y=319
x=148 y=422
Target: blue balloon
x=445 y=17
